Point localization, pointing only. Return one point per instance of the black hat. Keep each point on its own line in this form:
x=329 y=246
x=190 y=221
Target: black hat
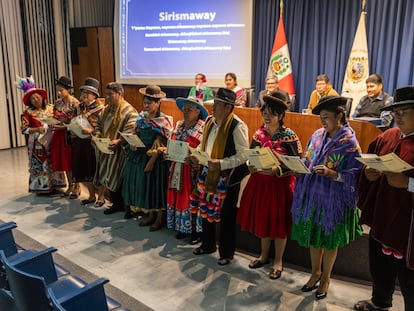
x=153 y=91
x=91 y=85
x=226 y=96
x=276 y=99
x=402 y=96
x=329 y=103
x=64 y=81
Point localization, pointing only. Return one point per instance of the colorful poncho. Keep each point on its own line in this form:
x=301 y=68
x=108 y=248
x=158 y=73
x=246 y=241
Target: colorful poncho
x=322 y=196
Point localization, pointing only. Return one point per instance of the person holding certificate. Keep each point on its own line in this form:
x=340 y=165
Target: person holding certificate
x=324 y=210
x=267 y=198
x=225 y=137
x=83 y=153
x=40 y=168
x=386 y=201
x=182 y=178
x=146 y=171
x=117 y=116
x=64 y=109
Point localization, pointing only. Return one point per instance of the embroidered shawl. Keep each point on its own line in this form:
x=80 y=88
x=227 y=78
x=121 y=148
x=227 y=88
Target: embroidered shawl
x=324 y=196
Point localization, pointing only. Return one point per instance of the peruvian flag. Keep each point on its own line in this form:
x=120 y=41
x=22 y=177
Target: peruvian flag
x=280 y=64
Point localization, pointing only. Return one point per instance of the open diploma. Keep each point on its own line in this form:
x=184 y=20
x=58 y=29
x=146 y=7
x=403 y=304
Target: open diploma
x=177 y=150
x=201 y=156
x=262 y=158
x=386 y=163
x=132 y=139
x=294 y=163
x=102 y=144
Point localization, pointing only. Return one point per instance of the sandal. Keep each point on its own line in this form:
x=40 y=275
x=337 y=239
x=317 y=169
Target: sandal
x=201 y=251
x=256 y=263
x=75 y=192
x=99 y=203
x=367 y=305
x=275 y=274
x=224 y=261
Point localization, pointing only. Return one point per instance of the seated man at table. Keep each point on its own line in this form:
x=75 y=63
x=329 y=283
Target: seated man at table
x=272 y=85
x=369 y=106
x=323 y=87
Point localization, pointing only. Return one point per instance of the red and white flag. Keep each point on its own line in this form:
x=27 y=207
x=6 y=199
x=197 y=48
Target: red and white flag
x=357 y=69
x=280 y=64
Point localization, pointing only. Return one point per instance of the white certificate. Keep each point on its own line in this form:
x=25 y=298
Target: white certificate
x=386 y=163
x=77 y=124
x=262 y=158
x=177 y=150
x=133 y=140
x=50 y=121
x=294 y=163
x=102 y=144
x=202 y=156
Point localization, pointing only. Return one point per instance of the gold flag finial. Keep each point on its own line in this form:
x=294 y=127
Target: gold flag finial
x=363 y=5
x=281 y=6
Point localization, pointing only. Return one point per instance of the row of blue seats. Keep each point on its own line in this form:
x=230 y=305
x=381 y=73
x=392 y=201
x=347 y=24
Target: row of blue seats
x=31 y=281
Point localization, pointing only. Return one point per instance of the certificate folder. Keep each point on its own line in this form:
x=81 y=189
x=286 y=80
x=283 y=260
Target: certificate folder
x=262 y=158
x=385 y=163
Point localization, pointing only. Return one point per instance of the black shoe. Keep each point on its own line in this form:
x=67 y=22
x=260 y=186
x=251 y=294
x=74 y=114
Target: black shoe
x=256 y=263
x=113 y=209
x=320 y=296
x=305 y=288
x=129 y=214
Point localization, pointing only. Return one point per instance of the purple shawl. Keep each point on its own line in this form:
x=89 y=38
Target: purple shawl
x=321 y=195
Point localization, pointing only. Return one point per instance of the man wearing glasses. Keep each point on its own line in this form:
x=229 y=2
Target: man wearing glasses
x=387 y=204
x=272 y=85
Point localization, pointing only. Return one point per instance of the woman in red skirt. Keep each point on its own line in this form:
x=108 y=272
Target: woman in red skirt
x=266 y=200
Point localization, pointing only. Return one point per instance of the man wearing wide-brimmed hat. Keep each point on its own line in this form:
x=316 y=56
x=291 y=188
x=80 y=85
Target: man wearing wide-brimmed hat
x=225 y=137
x=118 y=116
x=386 y=201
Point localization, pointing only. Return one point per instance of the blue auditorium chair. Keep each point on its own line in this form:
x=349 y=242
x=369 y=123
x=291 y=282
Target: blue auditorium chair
x=30 y=283
x=11 y=250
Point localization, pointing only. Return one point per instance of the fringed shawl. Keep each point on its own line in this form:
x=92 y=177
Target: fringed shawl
x=162 y=125
x=323 y=196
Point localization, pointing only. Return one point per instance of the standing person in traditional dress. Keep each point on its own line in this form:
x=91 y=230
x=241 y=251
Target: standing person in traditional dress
x=225 y=136
x=146 y=171
x=40 y=168
x=64 y=109
x=118 y=116
x=267 y=199
x=83 y=153
x=324 y=212
x=182 y=177
x=386 y=201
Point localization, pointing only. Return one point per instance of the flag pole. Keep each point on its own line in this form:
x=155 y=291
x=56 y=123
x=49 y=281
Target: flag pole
x=281 y=7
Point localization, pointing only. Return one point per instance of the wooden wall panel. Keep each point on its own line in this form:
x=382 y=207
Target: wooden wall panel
x=106 y=56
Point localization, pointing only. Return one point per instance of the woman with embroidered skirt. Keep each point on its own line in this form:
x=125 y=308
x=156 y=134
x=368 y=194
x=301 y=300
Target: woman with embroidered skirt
x=267 y=198
x=83 y=153
x=37 y=135
x=64 y=109
x=145 y=179
x=182 y=177
x=324 y=212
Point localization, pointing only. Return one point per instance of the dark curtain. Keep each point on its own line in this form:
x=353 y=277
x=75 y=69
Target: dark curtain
x=320 y=34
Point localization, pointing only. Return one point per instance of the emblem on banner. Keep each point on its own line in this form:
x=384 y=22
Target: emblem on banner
x=280 y=64
x=357 y=68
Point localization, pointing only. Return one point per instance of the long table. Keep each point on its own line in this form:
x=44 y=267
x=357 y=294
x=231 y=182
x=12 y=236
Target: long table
x=303 y=124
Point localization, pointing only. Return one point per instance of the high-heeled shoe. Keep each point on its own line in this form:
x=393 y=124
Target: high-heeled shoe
x=319 y=294
x=305 y=288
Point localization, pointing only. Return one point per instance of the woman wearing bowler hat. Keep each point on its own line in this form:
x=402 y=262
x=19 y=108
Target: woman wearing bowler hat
x=83 y=154
x=266 y=201
x=324 y=209
x=146 y=172
x=64 y=109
